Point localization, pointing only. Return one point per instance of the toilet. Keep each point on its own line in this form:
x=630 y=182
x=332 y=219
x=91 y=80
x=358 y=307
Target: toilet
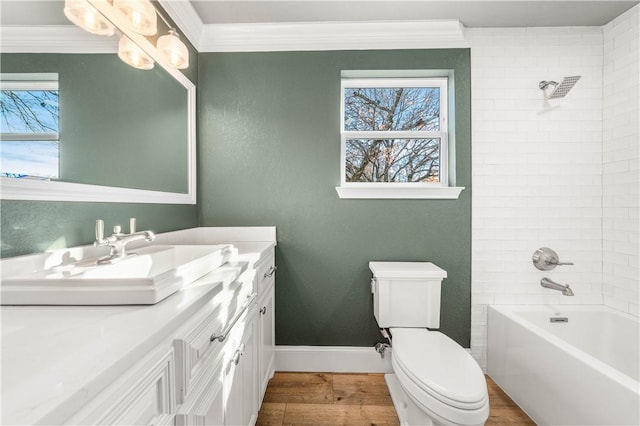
x=434 y=380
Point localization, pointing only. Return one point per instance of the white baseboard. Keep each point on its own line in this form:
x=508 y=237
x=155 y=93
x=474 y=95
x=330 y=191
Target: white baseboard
x=332 y=359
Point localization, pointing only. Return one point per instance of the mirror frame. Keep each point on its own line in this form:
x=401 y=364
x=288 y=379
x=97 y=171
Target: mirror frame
x=42 y=190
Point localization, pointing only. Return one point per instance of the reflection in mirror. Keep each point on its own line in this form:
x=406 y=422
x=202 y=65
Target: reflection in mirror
x=29 y=118
x=123 y=135
x=119 y=126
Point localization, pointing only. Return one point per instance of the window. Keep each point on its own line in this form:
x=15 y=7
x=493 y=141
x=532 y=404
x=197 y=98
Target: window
x=394 y=134
x=29 y=122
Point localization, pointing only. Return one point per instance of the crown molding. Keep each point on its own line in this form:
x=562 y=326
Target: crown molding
x=53 y=39
x=332 y=36
x=300 y=36
x=305 y=36
x=186 y=18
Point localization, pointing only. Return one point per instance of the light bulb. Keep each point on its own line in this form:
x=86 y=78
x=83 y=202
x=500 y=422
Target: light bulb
x=174 y=50
x=133 y=55
x=139 y=15
x=90 y=19
x=136 y=19
x=84 y=15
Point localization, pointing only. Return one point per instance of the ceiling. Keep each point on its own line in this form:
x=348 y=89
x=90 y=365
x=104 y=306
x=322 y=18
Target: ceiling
x=476 y=13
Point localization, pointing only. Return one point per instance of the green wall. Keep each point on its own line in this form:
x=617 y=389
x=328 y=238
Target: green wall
x=270 y=155
x=37 y=226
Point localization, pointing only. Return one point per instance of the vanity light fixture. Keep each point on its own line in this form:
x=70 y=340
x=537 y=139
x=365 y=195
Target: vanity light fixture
x=174 y=50
x=130 y=16
x=133 y=55
x=139 y=15
x=81 y=13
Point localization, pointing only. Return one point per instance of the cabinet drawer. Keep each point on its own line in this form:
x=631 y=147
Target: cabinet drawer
x=206 y=336
x=139 y=397
x=191 y=350
x=265 y=272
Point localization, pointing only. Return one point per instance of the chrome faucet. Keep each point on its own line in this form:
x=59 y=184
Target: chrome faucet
x=547 y=283
x=118 y=241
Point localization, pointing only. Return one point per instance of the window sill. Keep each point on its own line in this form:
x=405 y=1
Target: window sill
x=429 y=193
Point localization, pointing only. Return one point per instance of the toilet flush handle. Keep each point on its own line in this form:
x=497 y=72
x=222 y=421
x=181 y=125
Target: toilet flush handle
x=373 y=286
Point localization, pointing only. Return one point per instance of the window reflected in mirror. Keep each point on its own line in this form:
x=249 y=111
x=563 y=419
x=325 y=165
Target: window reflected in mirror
x=29 y=126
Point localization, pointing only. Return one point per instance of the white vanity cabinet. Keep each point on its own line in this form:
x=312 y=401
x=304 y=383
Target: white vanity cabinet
x=240 y=379
x=200 y=357
x=223 y=392
x=265 y=276
x=143 y=395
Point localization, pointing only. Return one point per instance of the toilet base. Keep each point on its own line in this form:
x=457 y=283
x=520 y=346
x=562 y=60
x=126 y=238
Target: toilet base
x=408 y=412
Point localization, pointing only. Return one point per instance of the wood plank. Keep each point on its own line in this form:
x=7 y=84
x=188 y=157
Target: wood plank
x=332 y=414
x=361 y=389
x=497 y=397
x=300 y=387
x=355 y=399
x=508 y=416
x=271 y=414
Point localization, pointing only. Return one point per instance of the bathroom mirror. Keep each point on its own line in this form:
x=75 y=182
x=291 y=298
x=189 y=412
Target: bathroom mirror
x=126 y=135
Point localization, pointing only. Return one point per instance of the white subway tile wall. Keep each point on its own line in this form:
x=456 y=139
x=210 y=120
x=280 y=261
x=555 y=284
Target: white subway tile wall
x=621 y=161
x=537 y=168
x=559 y=173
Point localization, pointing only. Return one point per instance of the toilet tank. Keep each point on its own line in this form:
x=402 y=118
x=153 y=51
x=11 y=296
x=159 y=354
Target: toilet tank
x=406 y=294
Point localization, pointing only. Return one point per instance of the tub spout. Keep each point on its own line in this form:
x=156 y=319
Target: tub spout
x=547 y=283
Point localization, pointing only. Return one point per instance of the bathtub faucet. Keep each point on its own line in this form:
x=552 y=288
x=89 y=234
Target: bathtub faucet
x=547 y=283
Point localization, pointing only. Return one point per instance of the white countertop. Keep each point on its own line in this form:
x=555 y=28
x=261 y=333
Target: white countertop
x=56 y=358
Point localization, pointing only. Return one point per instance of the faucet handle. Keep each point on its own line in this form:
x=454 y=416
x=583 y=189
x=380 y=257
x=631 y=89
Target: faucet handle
x=546 y=259
x=558 y=263
x=99 y=229
x=117 y=230
x=132 y=225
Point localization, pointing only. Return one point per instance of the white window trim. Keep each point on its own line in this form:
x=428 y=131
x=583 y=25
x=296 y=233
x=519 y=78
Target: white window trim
x=385 y=190
x=30 y=82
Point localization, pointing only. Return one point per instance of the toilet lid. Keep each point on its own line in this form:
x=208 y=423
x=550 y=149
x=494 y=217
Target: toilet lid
x=439 y=367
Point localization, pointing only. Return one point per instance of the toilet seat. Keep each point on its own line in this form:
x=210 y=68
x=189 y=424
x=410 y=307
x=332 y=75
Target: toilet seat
x=440 y=376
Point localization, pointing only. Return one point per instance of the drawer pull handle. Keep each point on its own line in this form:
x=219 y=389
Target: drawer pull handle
x=223 y=335
x=263 y=310
x=270 y=272
x=238 y=354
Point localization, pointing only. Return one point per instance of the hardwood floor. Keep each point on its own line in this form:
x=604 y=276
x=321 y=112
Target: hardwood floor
x=503 y=410
x=353 y=399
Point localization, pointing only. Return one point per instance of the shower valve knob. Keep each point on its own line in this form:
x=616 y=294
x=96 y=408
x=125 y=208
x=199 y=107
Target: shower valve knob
x=546 y=259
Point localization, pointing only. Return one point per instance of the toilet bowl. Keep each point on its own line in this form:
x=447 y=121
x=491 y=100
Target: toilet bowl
x=439 y=377
x=435 y=381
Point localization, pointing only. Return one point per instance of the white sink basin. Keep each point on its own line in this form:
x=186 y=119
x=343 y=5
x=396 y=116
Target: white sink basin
x=152 y=274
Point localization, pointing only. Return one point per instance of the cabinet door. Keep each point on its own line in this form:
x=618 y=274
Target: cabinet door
x=142 y=395
x=212 y=414
x=241 y=378
x=205 y=404
x=266 y=340
x=249 y=366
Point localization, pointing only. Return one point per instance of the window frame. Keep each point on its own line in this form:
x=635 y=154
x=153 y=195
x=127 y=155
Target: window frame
x=32 y=82
x=442 y=135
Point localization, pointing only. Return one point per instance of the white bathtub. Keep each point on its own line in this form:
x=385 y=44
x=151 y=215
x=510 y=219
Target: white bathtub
x=582 y=372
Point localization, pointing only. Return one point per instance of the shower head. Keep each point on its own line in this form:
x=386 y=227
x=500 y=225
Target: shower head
x=561 y=89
